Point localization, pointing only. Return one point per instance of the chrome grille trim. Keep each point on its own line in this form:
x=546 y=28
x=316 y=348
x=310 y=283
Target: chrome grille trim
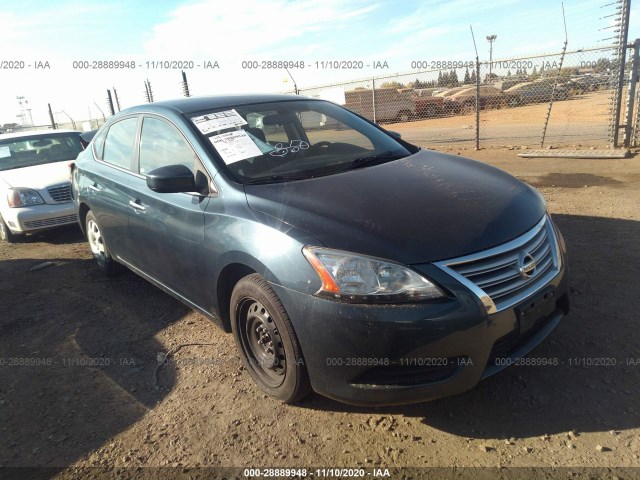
x=48 y=222
x=493 y=274
x=60 y=193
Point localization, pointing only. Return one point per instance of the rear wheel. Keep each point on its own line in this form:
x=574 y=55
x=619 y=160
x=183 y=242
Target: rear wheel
x=430 y=111
x=468 y=107
x=266 y=340
x=404 y=116
x=7 y=235
x=513 y=102
x=99 y=248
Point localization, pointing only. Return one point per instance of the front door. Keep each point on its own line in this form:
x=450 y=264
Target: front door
x=168 y=228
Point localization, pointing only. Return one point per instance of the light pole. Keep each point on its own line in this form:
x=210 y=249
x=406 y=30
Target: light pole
x=491 y=39
x=22 y=115
x=295 y=85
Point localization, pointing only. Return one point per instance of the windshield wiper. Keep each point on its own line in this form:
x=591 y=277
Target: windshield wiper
x=361 y=162
x=375 y=159
x=275 y=179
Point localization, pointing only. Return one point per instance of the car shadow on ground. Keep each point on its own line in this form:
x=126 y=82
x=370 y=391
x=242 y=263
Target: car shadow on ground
x=62 y=235
x=595 y=385
x=78 y=357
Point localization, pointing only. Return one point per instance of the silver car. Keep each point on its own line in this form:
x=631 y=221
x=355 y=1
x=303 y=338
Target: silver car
x=35 y=189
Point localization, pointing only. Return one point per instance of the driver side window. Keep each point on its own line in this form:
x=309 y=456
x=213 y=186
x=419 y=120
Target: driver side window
x=162 y=144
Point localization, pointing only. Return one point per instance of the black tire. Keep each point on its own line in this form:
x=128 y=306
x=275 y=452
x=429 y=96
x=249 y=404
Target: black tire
x=99 y=249
x=404 y=116
x=7 y=235
x=431 y=111
x=266 y=340
x=468 y=108
x=513 y=102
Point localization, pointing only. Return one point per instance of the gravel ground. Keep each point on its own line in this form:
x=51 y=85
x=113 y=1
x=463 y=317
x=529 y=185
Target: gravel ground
x=80 y=384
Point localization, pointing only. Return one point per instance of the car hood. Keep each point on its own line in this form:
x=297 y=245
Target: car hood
x=38 y=176
x=423 y=208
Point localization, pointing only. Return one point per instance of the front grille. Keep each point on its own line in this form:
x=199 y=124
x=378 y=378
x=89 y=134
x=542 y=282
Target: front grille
x=496 y=272
x=61 y=193
x=48 y=222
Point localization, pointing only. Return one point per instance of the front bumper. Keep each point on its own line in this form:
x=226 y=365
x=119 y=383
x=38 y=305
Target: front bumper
x=398 y=354
x=40 y=217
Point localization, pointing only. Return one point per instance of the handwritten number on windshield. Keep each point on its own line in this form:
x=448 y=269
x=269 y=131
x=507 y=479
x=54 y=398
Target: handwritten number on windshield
x=294 y=146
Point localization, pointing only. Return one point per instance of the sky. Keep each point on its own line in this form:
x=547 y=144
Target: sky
x=60 y=36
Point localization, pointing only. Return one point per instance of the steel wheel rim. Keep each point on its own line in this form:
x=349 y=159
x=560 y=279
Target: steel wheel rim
x=262 y=342
x=95 y=239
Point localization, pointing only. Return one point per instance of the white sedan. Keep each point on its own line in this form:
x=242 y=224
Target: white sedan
x=35 y=190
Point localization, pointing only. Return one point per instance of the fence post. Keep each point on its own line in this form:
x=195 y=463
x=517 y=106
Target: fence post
x=622 y=57
x=373 y=98
x=110 y=102
x=185 y=85
x=53 y=122
x=477 y=104
x=115 y=96
x=632 y=92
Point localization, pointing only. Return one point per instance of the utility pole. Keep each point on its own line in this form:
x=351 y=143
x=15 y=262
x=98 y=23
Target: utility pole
x=491 y=39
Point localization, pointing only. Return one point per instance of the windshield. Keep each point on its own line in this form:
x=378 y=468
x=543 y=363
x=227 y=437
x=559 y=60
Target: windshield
x=291 y=140
x=38 y=149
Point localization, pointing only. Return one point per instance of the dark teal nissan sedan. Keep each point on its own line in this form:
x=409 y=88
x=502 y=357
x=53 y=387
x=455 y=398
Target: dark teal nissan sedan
x=344 y=260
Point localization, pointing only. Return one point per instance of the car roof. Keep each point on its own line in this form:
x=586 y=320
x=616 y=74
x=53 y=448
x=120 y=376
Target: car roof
x=519 y=86
x=34 y=133
x=201 y=104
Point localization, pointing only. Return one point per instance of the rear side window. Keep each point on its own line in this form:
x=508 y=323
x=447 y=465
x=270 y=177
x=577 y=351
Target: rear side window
x=118 y=145
x=162 y=144
x=98 y=143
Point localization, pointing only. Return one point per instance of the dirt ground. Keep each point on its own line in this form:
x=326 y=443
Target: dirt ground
x=78 y=361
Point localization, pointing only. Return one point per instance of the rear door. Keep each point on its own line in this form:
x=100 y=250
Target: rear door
x=168 y=228
x=108 y=185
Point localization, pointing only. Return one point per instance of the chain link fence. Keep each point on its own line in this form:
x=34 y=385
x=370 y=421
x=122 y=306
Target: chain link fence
x=557 y=99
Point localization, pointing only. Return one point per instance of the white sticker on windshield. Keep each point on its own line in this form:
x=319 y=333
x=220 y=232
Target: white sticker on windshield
x=214 y=122
x=5 y=152
x=235 y=146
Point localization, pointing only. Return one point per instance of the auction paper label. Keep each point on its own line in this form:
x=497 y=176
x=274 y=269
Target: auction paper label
x=5 y=152
x=214 y=122
x=235 y=146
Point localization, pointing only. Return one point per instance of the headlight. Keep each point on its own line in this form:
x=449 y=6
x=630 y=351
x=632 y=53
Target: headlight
x=360 y=279
x=23 y=197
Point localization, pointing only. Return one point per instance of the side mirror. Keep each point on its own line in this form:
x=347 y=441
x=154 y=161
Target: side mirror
x=395 y=135
x=171 y=179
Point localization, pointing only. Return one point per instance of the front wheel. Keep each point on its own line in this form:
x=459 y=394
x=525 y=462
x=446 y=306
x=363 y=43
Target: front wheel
x=266 y=340
x=99 y=249
x=7 y=235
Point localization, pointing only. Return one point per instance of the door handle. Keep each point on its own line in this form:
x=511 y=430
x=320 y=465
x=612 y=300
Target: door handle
x=94 y=188
x=136 y=206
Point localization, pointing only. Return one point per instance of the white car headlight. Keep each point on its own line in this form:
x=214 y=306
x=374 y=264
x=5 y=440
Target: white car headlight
x=23 y=197
x=361 y=279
